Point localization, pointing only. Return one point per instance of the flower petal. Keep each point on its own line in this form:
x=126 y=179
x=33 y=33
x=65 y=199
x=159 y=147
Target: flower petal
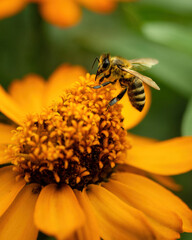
x=17 y=222
x=9 y=187
x=10 y=108
x=6 y=134
x=28 y=93
x=153 y=199
x=117 y=220
x=63 y=78
x=132 y=117
x=99 y=5
x=157 y=217
x=5 y=139
x=165 y=158
x=10 y=7
x=62 y=13
x=90 y=229
x=136 y=140
x=3 y=156
x=57 y=211
x=167 y=182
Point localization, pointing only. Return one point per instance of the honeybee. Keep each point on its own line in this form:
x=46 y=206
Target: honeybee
x=113 y=69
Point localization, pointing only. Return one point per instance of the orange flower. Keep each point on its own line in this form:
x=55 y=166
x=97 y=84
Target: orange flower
x=62 y=13
x=73 y=173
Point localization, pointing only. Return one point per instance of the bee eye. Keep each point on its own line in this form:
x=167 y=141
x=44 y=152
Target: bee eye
x=106 y=63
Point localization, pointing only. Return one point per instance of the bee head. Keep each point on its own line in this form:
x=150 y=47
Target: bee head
x=104 y=61
x=104 y=64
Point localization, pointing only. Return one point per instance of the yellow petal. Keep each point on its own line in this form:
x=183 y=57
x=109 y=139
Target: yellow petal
x=154 y=199
x=167 y=182
x=5 y=139
x=62 y=13
x=99 y=5
x=116 y=219
x=29 y=93
x=10 y=7
x=57 y=211
x=17 y=222
x=130 y=169
x=3 y=156
x=90 y=230
x=157 y=215
x=132 y=117
x=163 y=232
x=6 y=134
x=165 y=158
x=9 y=187
x=63 y=78
x=136 y=140
x=10 y=108
x=165 y=223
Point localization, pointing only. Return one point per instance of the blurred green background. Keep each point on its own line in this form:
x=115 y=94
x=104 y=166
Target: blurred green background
x=159 y=29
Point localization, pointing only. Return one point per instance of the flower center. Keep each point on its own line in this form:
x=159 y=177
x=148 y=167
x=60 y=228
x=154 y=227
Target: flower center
x=78 y=141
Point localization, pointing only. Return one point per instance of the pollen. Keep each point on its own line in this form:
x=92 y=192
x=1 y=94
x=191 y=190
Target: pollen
x=78 y=141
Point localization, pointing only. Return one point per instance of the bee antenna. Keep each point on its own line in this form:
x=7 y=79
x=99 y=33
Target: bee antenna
x=95 y=61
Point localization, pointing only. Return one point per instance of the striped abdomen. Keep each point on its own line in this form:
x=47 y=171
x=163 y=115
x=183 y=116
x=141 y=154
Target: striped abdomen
x=136 y=93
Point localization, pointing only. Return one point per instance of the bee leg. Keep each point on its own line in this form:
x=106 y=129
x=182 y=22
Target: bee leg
x=116 y=99
x=103 y=85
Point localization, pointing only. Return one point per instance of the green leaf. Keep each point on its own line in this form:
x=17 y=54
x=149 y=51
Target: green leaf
x=175 y=36
x=180 y=6
x=143 y=11
x=187 y=120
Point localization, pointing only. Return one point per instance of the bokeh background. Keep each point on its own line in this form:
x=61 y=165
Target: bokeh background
x=158 y=29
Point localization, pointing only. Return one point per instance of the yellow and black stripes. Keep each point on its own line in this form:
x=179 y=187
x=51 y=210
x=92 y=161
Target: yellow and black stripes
x=136 y=93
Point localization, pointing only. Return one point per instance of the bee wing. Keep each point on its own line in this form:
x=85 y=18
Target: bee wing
x=143 y=64
x=143 y=78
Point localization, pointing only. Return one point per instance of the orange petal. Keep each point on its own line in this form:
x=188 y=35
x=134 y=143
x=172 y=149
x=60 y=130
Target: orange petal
x=5 y=139
x=17 y=222
x=132 y=116
x=136 y=140
x=62 y=13
x=90 y=229
x=116 y=219
x=10 y=7
x=99 y=5
x=130 y=169
x=169 y=157
x=63 y=78
x=167 y=182
x=157 y=216
x=3 y=155
x=6 y=134
x=10 y=108
x=28 y=93
x=153 y=199
x=57 y=211
x=9 y=187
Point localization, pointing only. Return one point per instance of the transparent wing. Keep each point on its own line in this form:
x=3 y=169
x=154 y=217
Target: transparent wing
x=143 y=64
x=143 y=78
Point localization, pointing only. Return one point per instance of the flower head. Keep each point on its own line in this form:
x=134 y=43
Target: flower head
x=76 y=142
x=62 y=13
x=73 y=171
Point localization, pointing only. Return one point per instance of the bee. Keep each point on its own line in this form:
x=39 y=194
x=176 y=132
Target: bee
x=113 y=69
